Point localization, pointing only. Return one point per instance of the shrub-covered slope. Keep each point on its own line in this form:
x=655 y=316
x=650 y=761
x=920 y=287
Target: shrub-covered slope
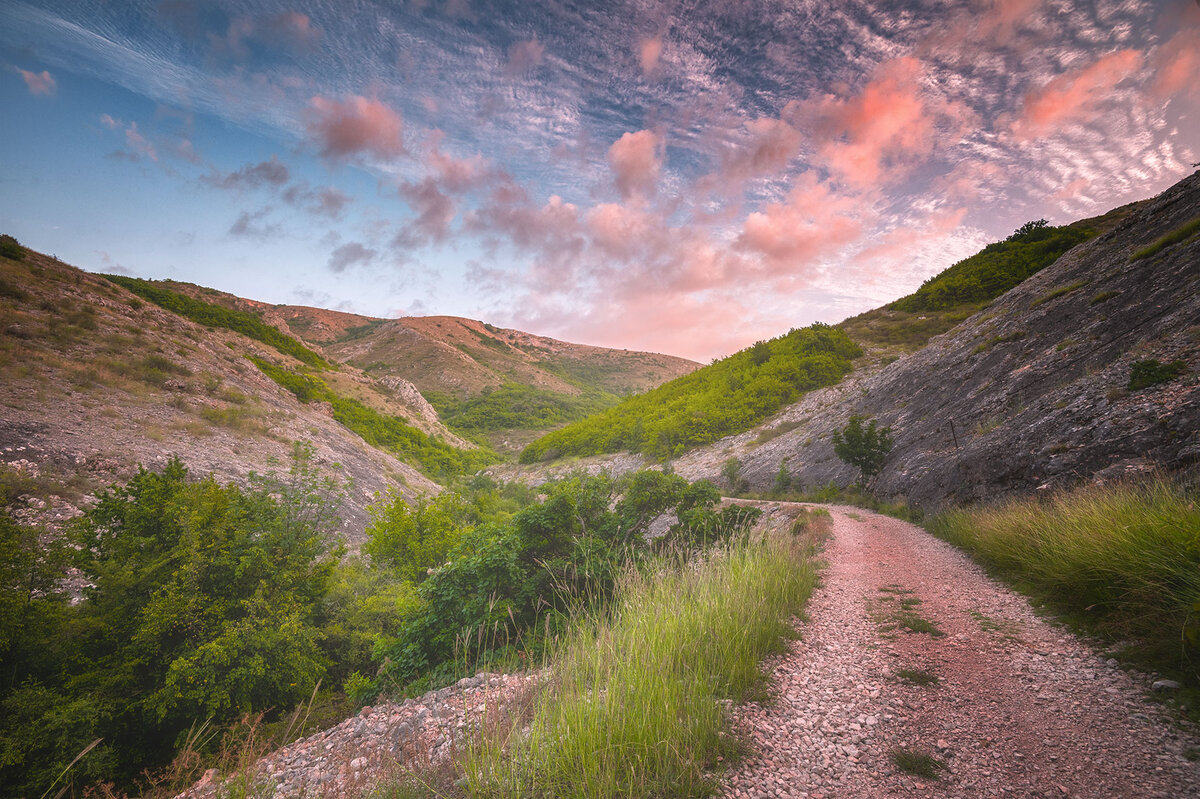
x=725 y=397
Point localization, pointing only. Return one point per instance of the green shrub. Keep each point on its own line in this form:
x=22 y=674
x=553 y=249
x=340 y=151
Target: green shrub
x=726 y=397
x=11 y=248
x=865 y=447
x=210 y=315
x=1058 y=292
x=1143 y=374
x=1103 y=296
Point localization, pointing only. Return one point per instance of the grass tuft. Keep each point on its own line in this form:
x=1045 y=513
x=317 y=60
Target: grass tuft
x=920 y=764
x=1181 y=233
x=634 y=708
x=917 y=676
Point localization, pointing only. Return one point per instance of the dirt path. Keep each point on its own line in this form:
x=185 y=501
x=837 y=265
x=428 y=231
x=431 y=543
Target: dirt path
x=1020 y=708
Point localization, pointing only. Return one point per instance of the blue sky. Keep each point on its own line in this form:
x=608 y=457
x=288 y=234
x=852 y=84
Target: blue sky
x=686 y=178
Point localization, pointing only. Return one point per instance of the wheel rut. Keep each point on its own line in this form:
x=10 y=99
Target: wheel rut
x=1015 y=707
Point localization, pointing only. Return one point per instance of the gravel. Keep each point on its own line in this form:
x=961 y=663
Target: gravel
x=1021 y=708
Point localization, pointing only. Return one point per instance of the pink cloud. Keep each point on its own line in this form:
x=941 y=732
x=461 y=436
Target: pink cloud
x=874 y=136
x=525 y=56
x=636 y=160
x=649 y=52
x=39 y=82
x=137 y=143
x=356 y=125
x=1177 y=65
x=793 y=235
x=771 y=145
x=1073 y=96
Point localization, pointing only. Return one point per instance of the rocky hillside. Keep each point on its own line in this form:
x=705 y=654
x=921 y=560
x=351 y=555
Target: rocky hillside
x=1032 y=390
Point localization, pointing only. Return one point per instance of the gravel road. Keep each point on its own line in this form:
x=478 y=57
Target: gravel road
x=1020 y=708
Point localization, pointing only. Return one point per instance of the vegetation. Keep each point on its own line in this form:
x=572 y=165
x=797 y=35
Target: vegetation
x=865 y=447
x=205 y=313
x=515 y=406
x=633 y=709
x=1143 y=374
x=505 y=587
x=1181 y=233
x=11 y=248
x=921 y=764
x=1123 y=561
x=204 y=601
x=917 y=676
x=1058 y=292
x=433 y=457
x=726 y=397
x=995 y=269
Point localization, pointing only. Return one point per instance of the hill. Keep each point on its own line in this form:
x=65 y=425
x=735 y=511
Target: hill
x=101 y=373
x=1032 y=389
x=495 y=385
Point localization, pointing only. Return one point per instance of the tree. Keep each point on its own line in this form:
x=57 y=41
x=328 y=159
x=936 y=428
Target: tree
x=783 y=478
x=866 y=447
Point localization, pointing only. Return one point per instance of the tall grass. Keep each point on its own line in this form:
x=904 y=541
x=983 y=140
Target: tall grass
x=634 y=706
x=1122 y=560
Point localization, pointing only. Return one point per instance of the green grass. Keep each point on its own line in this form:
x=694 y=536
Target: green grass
x=917 y=677
x=1058 y=292
x=726 y=397
x=1181 y=233
x=633 y=709
x=1121 y=561
x=1015 y=335
x=1103 y=296
x=435 y=458
x=210 y=315
x=917 y=763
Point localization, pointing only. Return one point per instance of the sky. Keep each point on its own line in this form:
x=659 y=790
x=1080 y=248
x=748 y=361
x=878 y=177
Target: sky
x=678 y=177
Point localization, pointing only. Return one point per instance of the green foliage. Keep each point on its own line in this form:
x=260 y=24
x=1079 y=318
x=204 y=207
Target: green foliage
x=1123 y=561
x=1103 y=296
x=1182 y=233
x=11 y=248
x=435 y=458
x=783 y=478
x=515 y=406
x=504 y=586
x=205 y=313
x=995 y=269
x=411 y=539
x=921 y=764
x=728 y=396
x=635 y=708
x=202 y=601
x=1143 y=374
x=865 y=447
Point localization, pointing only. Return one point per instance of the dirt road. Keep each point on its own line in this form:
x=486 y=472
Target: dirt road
x=1011 y=706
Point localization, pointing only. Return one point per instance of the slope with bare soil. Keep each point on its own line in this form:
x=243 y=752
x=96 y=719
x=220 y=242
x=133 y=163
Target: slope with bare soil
x=913 y=657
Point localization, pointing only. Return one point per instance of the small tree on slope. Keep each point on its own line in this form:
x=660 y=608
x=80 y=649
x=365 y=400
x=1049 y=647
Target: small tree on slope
x=864 y=446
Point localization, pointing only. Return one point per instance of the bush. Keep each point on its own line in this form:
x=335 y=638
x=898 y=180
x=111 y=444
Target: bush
x=1143 y=374
x=634 y=707
x=11 y=248
x=863 y=447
